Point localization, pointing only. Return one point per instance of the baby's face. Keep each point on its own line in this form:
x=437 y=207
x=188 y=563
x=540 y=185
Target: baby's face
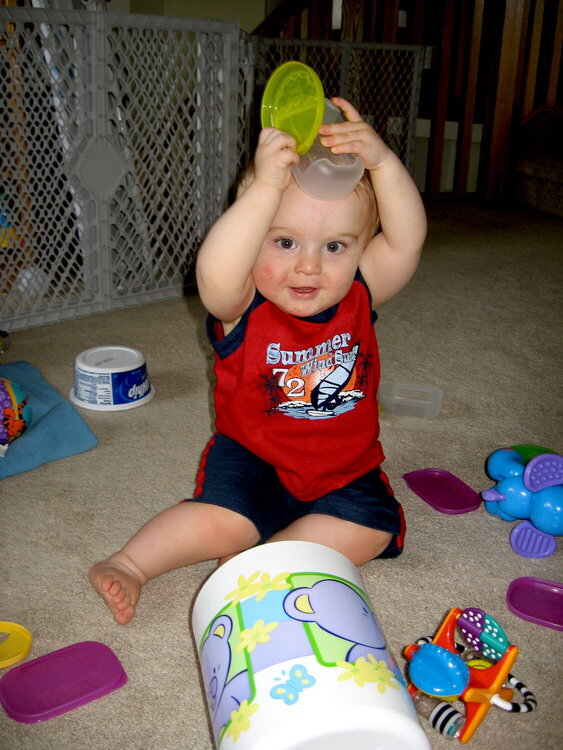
x=311 y=253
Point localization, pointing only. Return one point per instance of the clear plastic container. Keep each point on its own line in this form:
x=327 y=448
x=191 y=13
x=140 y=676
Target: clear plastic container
x=324 y=175
x=411 y=400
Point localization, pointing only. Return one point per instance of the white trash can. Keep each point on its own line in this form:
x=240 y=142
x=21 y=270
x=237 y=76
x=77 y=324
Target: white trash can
x=293 y=658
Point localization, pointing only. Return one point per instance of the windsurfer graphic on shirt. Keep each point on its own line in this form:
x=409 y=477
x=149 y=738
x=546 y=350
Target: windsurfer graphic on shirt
x=316 y=383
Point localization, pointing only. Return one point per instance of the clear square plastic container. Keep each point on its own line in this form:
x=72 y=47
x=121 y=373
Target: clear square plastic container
x=410 y=400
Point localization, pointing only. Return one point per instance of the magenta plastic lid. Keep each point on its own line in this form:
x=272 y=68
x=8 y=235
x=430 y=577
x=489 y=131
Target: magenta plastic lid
x=60 y=681
x=443 y=491
x=537 y=600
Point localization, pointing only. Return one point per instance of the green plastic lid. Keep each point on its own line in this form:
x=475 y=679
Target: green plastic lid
x=527 y=452
x=294 y=102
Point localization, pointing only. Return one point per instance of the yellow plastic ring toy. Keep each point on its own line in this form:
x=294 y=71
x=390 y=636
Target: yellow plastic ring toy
x=16 y=646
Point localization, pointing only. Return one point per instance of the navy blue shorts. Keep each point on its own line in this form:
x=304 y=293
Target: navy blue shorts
x=232 y=477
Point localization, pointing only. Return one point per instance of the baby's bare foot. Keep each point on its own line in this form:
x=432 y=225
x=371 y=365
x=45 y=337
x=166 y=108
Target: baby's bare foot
x=118 y=585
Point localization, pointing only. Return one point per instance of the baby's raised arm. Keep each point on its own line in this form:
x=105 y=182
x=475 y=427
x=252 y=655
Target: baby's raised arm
x=228 y=253
x=391 y=258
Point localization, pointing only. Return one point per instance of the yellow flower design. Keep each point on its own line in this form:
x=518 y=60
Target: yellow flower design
x=258 y=633
x=248 y=587
x=240 y=719
x=279 y=583
x=369 y=670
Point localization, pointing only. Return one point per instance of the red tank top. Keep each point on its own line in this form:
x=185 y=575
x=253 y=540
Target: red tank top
x=301 y=393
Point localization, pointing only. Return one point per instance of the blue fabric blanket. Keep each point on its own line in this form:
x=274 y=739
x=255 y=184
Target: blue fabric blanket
x=57 y=430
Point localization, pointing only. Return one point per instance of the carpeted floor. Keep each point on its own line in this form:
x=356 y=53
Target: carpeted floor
x=481 y=320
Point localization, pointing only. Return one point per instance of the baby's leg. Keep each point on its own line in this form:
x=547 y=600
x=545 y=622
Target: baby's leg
x=358 y=543
x=179 y=536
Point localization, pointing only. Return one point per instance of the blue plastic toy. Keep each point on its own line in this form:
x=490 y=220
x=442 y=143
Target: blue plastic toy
x=529 y=488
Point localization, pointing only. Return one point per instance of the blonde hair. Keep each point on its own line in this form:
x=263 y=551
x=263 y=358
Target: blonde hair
x=244 y=179
x=364 y=190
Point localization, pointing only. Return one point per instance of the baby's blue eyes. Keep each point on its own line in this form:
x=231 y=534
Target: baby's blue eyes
x=286 y=243
x=334 y=247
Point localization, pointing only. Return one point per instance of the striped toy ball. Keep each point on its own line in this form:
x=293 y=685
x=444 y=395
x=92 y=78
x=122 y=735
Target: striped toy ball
x=15 y=411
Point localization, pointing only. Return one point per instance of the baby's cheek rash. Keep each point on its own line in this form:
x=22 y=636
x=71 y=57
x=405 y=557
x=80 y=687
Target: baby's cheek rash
x=265 y=273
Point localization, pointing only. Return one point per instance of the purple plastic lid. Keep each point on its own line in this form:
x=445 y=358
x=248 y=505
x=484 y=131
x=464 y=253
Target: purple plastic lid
x=443 y=491
x=60 y=681
x=537 y=600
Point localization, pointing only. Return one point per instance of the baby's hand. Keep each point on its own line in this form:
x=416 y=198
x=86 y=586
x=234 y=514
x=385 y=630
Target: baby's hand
x=274 y=155
x=354 y=136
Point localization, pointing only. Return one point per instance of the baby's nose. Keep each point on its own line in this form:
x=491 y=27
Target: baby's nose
x=308 y=261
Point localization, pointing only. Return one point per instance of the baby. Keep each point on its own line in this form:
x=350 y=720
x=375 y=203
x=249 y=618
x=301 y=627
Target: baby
x=290 y=284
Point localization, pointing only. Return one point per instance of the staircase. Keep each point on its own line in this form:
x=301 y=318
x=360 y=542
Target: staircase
x=491 y=64
x=539 y=163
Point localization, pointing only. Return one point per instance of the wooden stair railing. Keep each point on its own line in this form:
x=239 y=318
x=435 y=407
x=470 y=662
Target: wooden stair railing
x=494 y=64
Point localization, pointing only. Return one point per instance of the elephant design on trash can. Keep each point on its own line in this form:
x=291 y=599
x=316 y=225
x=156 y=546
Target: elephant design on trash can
x=333 y=605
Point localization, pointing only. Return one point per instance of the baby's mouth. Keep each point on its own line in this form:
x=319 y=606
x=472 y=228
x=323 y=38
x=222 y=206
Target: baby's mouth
x=304 y=289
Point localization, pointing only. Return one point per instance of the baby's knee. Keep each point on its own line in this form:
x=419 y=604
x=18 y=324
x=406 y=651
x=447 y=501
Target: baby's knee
x=229 y=531
x=369 y=548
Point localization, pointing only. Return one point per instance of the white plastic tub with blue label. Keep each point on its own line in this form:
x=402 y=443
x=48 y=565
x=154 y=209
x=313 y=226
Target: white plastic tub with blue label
x=111 y=378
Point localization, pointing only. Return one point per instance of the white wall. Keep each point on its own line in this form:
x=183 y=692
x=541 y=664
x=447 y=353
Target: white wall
x=422 y=140
x=247 y=14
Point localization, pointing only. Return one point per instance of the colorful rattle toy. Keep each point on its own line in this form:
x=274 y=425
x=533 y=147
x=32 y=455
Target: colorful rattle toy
x=441 y=671
x=529 y=485
x=15 y=413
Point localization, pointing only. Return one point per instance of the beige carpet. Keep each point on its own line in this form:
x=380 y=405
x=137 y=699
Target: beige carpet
x=482 y=320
